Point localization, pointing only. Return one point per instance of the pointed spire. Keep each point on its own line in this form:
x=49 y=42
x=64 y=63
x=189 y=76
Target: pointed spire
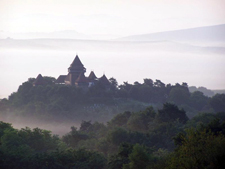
x=76 y=62
x=104 y=80
x=61 y=79
x=92 y=76
x=39 y=80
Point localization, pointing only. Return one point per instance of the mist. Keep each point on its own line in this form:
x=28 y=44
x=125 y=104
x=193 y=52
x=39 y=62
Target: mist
x=162 y=56
x=55 y=127
x=171 y=62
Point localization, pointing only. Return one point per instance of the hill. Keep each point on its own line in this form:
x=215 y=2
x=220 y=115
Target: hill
x=66 y=34
x=214 y=33
x=222 y=91
x=63 y=105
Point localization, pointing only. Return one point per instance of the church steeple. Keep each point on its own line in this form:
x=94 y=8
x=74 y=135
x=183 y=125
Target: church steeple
x=76 y=66
x=39 y=81
x=76 y=76
x=75 y=69
x=92 y=76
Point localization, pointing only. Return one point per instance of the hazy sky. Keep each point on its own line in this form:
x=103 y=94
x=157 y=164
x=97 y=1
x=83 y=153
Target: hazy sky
x=111 y=17
x=118 y=17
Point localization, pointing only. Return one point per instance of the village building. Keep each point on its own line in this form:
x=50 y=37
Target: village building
x=39 y=81
x=92 y=78
x=76 y=76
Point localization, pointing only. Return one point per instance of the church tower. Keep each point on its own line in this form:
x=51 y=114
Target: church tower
x=76 y=68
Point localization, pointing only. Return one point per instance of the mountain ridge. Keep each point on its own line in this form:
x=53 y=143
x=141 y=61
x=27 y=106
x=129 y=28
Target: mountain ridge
x=206 y=33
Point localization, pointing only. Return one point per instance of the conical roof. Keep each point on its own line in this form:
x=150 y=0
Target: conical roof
x=104 y=80
x=61 y=79
x=39 y=80
x=76 y=66
x=92 y=76
x=82 y=78
x=76 y=62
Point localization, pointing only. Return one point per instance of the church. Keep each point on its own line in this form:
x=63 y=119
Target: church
x=76 y=76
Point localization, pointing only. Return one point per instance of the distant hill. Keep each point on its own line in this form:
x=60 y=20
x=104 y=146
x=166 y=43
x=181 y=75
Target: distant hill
x=205 y=91
x=201 y=34
x=112 y=46
x=219 y=91
x=66 y=34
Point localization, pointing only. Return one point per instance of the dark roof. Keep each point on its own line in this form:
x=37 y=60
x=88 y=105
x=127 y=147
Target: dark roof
x=61 y=79
x=76 y=66
x=92 y=76
x=104 y=80
x=76 y=62
x=82 y=78
x=67 y=78
x=39 y=80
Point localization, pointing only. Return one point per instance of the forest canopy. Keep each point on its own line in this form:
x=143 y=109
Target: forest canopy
x=101 y=103
x=143 y=139
x=128 y=126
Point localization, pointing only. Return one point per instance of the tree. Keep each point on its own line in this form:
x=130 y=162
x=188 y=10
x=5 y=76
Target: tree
x=200 y=119
x=179 y=95
x=134 y=92
x=184 y=84
x=121 y=158
x=171 y=112
x=146 y=93
x=120 y=119
x=159 y=84
x=198 y=149
x=118 y=136
x=113 y=84
x=74 y=137
x=3 y=127
x=85 y=126
x=148 y=82
x=126 y=86
x=140 y=121
x=136 y=83
x=139 y=158
x=49 y=80
x=198 y=100
x=218 y=102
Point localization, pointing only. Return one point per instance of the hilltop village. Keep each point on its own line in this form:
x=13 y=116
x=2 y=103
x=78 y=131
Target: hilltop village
x=75 y=77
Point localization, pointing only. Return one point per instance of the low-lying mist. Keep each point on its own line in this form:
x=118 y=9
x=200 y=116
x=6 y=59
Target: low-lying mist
x=170 y=62
x=58 y=128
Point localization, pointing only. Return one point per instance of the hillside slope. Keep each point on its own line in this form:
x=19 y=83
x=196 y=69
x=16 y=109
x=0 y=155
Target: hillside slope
x=201 y=34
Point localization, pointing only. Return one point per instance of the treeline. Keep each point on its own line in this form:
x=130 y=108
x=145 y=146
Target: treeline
x=165 y=138
x=99 y=102
x=157 y=92
x=37 y=148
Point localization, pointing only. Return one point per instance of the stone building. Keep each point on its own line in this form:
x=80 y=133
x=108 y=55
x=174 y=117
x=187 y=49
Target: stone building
x=39 y=81
x=76 y=76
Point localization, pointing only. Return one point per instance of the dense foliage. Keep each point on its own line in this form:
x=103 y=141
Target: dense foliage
x=60 y=103
x=146 y=139
x=38 y=148
x=179 y=130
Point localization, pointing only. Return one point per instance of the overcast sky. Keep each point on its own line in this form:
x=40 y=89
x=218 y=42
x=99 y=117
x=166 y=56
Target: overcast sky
x=116 y=17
